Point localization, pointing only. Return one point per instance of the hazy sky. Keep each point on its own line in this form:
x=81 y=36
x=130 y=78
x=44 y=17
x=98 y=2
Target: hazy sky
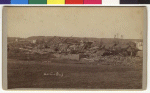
x=99 y=22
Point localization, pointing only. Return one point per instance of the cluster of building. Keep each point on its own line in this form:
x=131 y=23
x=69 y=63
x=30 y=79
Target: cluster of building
x=67 y=47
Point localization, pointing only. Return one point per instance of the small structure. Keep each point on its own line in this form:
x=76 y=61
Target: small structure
x=139 y=54
x=68 y=56
x=33 y=41
x=16 y=40
x=139 y=45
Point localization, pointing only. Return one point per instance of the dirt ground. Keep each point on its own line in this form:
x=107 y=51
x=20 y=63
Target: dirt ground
x=74 y=75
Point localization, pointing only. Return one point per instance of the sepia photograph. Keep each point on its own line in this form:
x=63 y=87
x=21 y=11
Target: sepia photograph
x=74 y=47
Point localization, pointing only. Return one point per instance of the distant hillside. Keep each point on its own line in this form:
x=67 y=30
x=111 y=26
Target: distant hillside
x=79 y=38
x=11 y=39
x=49 y=38
x=39 y=37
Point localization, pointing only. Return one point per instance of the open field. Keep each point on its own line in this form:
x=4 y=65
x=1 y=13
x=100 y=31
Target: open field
x=57 y=73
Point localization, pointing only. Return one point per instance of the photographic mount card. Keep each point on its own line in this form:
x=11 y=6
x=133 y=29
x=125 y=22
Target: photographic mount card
x=74 y=47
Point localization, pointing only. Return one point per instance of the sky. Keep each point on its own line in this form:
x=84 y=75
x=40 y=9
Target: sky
x=97 y=22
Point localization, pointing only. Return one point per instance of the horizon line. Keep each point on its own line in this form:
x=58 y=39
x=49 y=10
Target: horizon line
x=70 y=37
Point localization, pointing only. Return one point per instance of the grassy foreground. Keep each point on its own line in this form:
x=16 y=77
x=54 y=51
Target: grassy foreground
x=72 y=74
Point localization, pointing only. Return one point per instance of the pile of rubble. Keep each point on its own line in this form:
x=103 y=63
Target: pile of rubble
x=86 y=50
